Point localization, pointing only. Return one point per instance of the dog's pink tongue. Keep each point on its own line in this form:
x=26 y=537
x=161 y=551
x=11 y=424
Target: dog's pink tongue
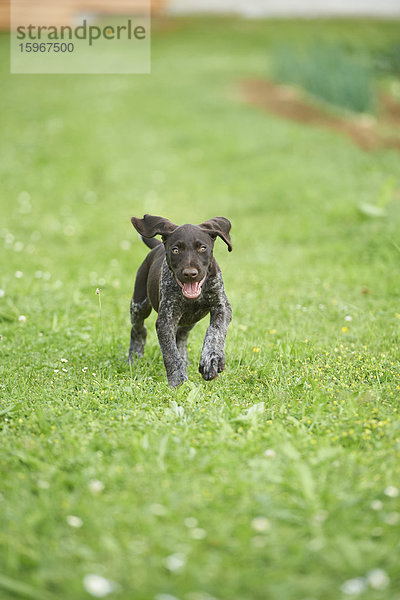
x=191 y=289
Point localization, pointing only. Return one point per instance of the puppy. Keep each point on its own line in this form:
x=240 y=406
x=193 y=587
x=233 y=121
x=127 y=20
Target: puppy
x=182 y=281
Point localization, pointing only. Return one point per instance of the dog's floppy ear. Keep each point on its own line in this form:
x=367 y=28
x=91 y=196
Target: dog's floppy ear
x=218 y=226
x=150 y=226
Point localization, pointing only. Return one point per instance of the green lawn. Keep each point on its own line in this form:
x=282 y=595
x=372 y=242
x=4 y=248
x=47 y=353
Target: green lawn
x=278 y=481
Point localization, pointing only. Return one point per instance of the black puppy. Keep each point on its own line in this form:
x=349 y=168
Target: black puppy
x=181 y=280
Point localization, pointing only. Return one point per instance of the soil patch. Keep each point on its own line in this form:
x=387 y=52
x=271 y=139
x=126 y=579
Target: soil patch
x=366 y=132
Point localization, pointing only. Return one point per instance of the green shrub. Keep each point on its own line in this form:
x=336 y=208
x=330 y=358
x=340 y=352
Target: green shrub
x=327 y=72
x=388 y=60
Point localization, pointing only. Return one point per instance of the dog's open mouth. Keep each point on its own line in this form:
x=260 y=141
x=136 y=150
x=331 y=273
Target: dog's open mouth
x=191 y=289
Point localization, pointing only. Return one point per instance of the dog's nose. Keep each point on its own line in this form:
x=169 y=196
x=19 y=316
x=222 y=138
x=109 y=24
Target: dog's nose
x=190 y=273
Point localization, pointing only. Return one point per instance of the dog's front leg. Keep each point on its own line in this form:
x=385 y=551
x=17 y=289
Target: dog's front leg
x=167 y=325
x=212 y=360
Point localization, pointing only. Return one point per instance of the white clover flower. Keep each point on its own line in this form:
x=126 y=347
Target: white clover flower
x=158 y=509
x=270 y=453
x=391 y=491
x=43 y=484
x=22 y=318
x=348 y=318
x=96 y=486
x=259 y=541
x=261 y=524
x=98 y=586
x=175 y=562
x=392 y=518
x=376 y=505
x=24 y=197
x=321 y=516
x=125 y=245
x=19 y=274
x=2 y=293
x=191 y=522
x=378 y=579
x=74 y=521
x=197 y=533
x=354 y=587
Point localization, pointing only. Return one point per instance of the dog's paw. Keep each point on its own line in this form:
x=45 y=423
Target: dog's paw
x=136 y=350
x=211 y=364
x=134 y=354
x=132 y=357
x=177 y=376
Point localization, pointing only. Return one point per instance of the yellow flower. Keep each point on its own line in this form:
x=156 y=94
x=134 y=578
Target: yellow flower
x=345 y=329
x=256 y=349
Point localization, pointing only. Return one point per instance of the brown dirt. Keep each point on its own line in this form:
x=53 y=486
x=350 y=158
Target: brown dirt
x=366 y=132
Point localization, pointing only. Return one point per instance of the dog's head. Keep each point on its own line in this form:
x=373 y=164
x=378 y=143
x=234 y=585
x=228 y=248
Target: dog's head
x=188 y=248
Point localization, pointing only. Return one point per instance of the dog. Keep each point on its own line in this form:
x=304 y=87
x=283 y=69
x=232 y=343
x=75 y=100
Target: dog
x=182 y=281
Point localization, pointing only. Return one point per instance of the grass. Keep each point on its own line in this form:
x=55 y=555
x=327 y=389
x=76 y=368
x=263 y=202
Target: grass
x=281 y=479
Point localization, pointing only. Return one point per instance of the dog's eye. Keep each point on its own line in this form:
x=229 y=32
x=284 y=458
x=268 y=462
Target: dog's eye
x=175 y=250
x=203 y=248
